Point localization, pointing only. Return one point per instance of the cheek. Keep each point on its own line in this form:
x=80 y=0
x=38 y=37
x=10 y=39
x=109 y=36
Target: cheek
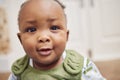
x=60 y=41
x=28 y=44
x=59 y=46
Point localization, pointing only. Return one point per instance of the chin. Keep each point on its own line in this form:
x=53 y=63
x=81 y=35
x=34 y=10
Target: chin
x=50 y=62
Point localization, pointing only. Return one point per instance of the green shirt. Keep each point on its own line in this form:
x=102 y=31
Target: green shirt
x=70 y=69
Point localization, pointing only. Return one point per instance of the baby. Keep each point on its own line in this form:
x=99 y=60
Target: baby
x=43 y=35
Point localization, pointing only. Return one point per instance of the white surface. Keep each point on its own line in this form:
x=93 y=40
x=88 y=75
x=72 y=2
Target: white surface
x=86 y=29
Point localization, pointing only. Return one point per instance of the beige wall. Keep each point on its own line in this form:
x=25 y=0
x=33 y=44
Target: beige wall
x=16 y=51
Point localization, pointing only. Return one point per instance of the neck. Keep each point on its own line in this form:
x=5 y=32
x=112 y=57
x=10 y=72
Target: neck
x=41 y=66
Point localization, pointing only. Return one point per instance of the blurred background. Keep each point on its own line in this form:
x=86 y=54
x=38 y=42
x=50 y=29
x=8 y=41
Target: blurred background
x=94 y=32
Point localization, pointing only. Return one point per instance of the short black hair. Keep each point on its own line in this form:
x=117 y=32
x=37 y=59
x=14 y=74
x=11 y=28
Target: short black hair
x=62 y=5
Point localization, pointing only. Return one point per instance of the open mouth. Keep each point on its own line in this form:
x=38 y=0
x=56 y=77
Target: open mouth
x=44 y=51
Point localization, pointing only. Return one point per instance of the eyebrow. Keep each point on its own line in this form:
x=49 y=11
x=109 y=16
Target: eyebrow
x=31 y=21
x=51 y=19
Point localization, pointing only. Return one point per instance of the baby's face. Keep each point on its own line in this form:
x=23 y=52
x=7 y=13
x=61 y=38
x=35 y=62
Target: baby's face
x=43 y=31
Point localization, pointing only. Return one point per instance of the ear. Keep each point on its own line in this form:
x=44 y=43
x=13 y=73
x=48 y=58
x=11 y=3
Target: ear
x=67 y=34
x=19 y=37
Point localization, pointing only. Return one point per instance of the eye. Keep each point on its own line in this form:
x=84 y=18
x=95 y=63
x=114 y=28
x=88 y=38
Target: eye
x=30 y=29
x=54 y=27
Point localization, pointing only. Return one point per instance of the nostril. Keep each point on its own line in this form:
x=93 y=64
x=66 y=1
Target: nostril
x=43 y=40
x=47 y=40
x=40 y=40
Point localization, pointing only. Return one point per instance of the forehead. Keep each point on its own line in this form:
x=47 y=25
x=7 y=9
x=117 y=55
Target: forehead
x=41 y=6
x=32 y=8
x=40 y=3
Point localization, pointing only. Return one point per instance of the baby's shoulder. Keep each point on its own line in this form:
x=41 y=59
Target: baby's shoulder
x=19 y=65
x=73 y=62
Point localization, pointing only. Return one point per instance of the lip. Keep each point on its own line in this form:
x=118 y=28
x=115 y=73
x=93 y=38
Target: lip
x=44 y=51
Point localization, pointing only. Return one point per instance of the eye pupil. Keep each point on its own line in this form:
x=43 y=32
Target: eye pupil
x=31 y=29
x=54 y=27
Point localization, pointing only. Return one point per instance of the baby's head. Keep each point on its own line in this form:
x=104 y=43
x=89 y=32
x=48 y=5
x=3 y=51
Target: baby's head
x=43 y=32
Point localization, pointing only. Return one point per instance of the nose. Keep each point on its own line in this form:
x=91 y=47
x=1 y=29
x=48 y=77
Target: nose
x=43 y=38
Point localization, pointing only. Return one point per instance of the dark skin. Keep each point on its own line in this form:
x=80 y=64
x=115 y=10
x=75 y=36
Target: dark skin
x=43 y=32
